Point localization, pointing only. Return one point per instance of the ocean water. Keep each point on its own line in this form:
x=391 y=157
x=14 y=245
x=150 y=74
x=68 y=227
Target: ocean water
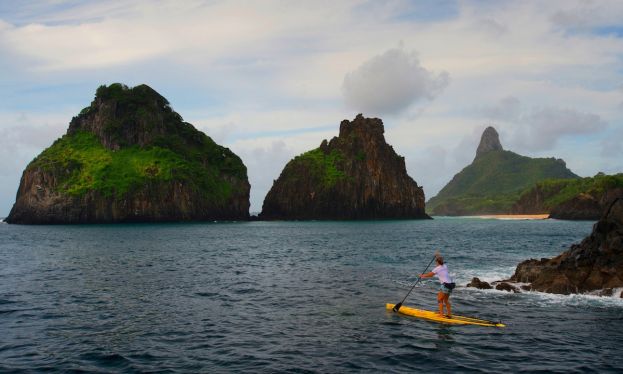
x=290 y=297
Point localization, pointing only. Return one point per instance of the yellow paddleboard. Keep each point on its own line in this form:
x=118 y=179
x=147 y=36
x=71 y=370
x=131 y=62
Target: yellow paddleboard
x=434 y=316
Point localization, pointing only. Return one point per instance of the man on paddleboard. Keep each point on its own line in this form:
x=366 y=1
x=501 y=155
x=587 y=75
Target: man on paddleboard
x=447 y=285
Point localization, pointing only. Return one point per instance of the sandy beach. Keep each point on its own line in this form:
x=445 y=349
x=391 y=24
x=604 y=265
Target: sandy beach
x=515 y=216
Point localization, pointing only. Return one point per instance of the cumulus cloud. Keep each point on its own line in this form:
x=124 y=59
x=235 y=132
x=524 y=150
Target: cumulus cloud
x=391 y=82
x=539 y=129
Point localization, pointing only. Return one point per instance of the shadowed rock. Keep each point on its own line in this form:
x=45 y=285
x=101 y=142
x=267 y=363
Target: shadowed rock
x=594 y=264
x=503 y=286
x=356 y=175
x=581 y=199
x=477 y=283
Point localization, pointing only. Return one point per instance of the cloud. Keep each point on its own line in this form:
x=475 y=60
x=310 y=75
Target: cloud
x=490 y=27
x=586 y=15
x=507 y=109
x=265 y=159
x=425 y=168
x=544 y=127
x=539 y=129
x=391 y=82
x=102 y=36
x=252 y=74
x=22 y=138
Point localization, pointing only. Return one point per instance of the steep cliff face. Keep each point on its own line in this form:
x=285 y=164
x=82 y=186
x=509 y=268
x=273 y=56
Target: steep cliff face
x=130 y=157
x=575 y=199
x=534 y=201
x=585 y=206
x=494 y=180
x=354 y=176
x=594 y=264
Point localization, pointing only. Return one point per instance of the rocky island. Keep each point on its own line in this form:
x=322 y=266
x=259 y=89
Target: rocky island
x=595 y=265
x=128 y=157
x=356 y=175
x=495 y=179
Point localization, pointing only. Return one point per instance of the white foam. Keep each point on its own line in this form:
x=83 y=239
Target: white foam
x=577 y=299
x=545 y=299
x=489 y=276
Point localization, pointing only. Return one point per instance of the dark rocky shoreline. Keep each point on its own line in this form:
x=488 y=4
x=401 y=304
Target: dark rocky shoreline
x=595 y=265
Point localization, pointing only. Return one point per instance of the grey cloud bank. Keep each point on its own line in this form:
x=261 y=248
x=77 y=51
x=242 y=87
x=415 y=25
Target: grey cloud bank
x=539 y=129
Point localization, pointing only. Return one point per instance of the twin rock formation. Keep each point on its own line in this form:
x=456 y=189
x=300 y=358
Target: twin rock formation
x=129 y=157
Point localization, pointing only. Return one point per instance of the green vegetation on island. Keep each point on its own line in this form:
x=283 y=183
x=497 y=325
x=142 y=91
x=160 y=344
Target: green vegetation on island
x=84 y=164
x=355 y=175
x=179 y=153
x=558 y=191
x=323 y=167
x=129 y=157
x=494 y=182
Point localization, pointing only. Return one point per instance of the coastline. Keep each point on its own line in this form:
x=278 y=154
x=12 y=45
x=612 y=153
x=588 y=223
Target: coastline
x=514 y=216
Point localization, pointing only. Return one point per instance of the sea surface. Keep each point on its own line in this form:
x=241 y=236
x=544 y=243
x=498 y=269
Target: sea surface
x=300 y=297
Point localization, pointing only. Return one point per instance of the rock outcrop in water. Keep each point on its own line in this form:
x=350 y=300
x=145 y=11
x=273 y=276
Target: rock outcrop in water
x=129 y=157
x=494 y=180
x=477 y=283
x=594 y=264
x=356 y=175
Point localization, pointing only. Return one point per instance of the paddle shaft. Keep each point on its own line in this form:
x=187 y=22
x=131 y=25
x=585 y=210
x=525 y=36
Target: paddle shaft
x=397 y=306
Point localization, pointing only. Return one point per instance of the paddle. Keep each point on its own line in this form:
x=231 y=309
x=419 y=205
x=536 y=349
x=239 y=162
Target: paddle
x=397 y=306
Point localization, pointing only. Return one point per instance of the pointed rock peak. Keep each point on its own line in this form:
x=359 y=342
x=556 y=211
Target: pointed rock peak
x=490 y=141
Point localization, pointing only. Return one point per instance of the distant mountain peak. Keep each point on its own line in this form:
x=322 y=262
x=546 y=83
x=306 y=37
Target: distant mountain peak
x=490 y=141
x=494 y=180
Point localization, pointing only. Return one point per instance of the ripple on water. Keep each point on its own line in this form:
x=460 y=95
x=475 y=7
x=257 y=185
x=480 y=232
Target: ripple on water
x=288 y=297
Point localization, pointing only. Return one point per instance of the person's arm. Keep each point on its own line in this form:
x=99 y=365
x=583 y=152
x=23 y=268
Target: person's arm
x=427 y=275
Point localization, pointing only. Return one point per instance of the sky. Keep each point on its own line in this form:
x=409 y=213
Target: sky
x=272 y=79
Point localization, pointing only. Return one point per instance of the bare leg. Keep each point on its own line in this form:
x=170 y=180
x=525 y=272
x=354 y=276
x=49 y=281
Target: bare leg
x=440 y=298
x=446 y=300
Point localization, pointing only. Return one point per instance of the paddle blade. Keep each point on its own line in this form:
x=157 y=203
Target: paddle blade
x=397 y=307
